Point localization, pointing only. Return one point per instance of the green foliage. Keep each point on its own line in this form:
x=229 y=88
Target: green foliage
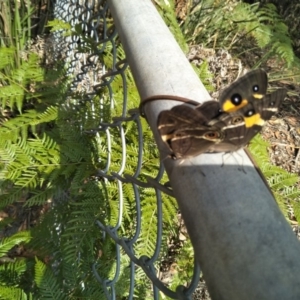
x=7 y=243
x=167 y=11
x=184 y=265
x=8 y=293
x=59 y=25
x=236 y=25
x=15 y=25
x=282 y=183
x=47 y=283
x=51 y=154
x=29 y=156
x=46 y=157
x=205 y=75
x=14 y=82
x=13 y=271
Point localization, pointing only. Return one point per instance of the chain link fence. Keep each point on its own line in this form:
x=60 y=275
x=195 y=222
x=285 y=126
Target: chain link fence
x=92 y=76
x=226 y=210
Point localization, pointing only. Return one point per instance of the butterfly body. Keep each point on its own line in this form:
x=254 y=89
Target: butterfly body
x=223 y=126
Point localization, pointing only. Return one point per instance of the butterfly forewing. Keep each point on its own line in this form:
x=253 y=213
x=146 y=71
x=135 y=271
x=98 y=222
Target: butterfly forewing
x=209 y=109
x=248 y=88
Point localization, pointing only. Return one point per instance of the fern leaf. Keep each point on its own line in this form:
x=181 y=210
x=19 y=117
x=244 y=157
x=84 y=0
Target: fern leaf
x=7 y=243
x=9 y=293
x=47 y=282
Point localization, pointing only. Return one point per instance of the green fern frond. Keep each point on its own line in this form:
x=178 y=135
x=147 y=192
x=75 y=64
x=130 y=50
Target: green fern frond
x=170 y=209
x=281 y=182
x=28 y=160
x=296 y=207
x=167 y=11
x=10 y=194
x=11 y=129
x=12 y=273
x=6 y=58
x=10 y=95
x=206 y=76
x=40 y=270
x=225 y=25
x=40 y=196
x=47 y=283
x=267 y=28
x=18 y=266
x=57 y=24
x=9 y=293
x=13 y=90
x=292 y=192
x=7 y=243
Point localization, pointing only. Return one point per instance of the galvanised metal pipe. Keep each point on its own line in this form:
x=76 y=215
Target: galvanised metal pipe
x=243 y=243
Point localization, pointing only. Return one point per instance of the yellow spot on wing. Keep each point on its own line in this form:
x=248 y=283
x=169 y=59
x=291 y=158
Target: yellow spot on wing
x=254 y=120
x=258 y=96
x=228 y=106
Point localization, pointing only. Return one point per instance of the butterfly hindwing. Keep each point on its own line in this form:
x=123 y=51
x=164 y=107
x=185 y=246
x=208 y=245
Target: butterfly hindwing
x=189 y=142
x=234 y=132
x=185 y=131
x=269 y=105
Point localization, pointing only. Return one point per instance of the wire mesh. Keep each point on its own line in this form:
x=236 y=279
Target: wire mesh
x=95 y=59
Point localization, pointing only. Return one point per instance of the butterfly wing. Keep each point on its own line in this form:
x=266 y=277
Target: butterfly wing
x=184 y=129
x=189 y=142
x=245 y=90
x=241 y=126
x=178 y=116
x=269 y=105
x=257 y=112
x=209 y=109
x=233 y=130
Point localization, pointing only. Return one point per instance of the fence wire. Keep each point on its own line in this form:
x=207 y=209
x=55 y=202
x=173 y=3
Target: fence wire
x=92 y=76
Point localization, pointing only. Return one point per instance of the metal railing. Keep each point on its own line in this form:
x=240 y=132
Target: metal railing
x=228 y=212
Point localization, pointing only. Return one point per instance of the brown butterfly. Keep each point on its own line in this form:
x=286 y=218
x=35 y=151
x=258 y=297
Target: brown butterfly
x=223 y=126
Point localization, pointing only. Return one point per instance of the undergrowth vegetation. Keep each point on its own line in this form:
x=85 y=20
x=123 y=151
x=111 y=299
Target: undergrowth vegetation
x=244 y=29
x=51 y=154
x=236 y=26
